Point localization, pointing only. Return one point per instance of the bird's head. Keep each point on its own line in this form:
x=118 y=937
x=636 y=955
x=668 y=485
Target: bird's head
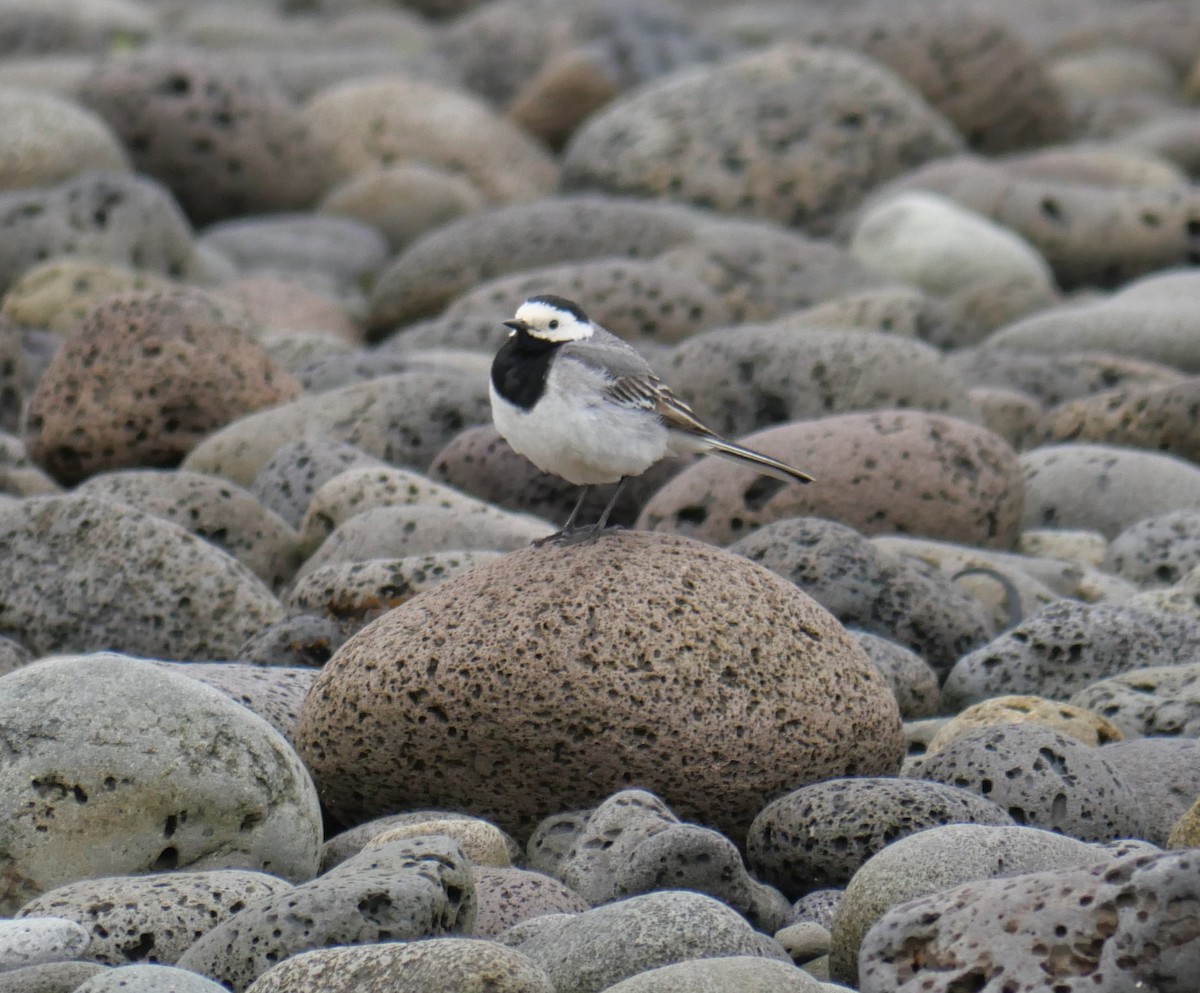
x=551 y=318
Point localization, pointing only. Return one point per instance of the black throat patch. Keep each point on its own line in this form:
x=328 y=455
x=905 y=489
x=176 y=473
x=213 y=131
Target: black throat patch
x=520 y=367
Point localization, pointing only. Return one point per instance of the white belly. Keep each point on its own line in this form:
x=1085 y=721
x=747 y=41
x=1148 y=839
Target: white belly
x=584 y=445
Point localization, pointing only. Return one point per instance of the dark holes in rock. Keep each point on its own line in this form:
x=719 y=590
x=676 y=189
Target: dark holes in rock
x=758 y=493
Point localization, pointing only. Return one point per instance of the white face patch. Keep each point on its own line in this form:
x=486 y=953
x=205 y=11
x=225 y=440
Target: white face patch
x=552 y=323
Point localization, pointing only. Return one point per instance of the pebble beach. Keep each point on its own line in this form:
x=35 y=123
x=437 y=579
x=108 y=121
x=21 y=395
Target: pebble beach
x=292 y=698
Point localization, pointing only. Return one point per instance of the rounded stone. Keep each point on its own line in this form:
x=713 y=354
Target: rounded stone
x=144 y=378
x=718 y=678
x=1059 y=650
x=1090 y=235
x=913 y=681
x=868 y=588
x=1159 y=418
x=350 y=842
x=167 y=594
x=450 y=260
x=403 y=201
x=1104 y=487
x=156 y=917
x=433 y=965
x=206 y=785
x=794 y=134
x=356 y=593
x=390 y=120
x=148 y=979
x=299 y=640
x=1167 y=771
x=210 y=508
x=723 y=974
x=39 y=939
x=595 y=950
x=279 y=304
x=52 y=977
x=744 y=378
x=110 y=217
x=404 y=419
x=286 y=482
x=342 y=252
x=49 y=139
x=1157 y=701
x=1042 y=778
x=1082 y=725
x=420 y=888
x=1159 y=550
x=975 y=933
x=936 y=860
x=225 y=138
x=483 y=843
x=60 y=293
x=818 y=836
x=1185 y=833
x=507 y=896
x=274 y=693
x=931 y=242
x=888 y=471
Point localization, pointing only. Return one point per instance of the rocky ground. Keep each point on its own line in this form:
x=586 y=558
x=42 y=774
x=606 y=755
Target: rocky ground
x=287 y=687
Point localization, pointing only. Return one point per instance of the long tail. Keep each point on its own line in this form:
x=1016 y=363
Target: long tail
x=763 y=463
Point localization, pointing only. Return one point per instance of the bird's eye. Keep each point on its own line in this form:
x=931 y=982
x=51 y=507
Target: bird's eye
x=553 y=325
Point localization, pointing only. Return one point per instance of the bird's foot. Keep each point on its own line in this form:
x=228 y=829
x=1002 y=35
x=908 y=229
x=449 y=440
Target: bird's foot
x=584 y=534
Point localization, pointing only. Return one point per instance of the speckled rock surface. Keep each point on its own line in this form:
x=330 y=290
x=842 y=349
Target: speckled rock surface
x=420 y=888
x=741 y=379
x=422 y=529
x=593 y=951
x=405 y=418
x=1144 y=905
x=478 y=461
x=350 y=842
x=168 y=594
x=59 y=293
x=274 y=693
x=889 y=471
x=286 y=482
x=1158 y=550
x=1059 y=783
x=819 y=835
x=226 y=140
x=1154 y=701
x=53 y=977
x=484 y=844
x=207 y=785
x=210 y=508
x=434 y=965
x=632 y=843
x=355 y=593
x=13 y=655
x=785 y=110
x=912 y=680
x=156 y=917
x=506 y=896
x=39 y=939
x=726 y=974
x=51 y=139
x=1185 y=833
x=148 y=979
x=871 y=589
x=938 y=859
x=818 y=907
x=108 y=216
x=1159 y=418
x=447 y=262
x=392 y=119
x=1167 y=773
x=1082 y=725
x=144 y=378
x=796 y=658
x=1061 y=649
x=301 y=640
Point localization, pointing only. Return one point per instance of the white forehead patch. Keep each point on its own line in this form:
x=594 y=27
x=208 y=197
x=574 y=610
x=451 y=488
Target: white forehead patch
x=551 y=323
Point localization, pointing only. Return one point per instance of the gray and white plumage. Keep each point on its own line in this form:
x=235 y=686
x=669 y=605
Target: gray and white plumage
x=579 y=402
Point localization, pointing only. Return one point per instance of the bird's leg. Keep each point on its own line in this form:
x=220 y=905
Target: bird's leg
x=568 y=528
x=590 y=532
x=612 y=502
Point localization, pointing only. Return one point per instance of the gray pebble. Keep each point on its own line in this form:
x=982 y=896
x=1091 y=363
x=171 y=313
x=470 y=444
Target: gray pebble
x=36 y=940
x=290 y=476
x=1159 y=700
x=1159 y=550
x=1167 y=774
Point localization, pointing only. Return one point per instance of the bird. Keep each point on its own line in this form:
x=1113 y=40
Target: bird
x=579 y=402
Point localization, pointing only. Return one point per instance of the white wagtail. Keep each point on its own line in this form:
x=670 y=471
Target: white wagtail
x=580 y=403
